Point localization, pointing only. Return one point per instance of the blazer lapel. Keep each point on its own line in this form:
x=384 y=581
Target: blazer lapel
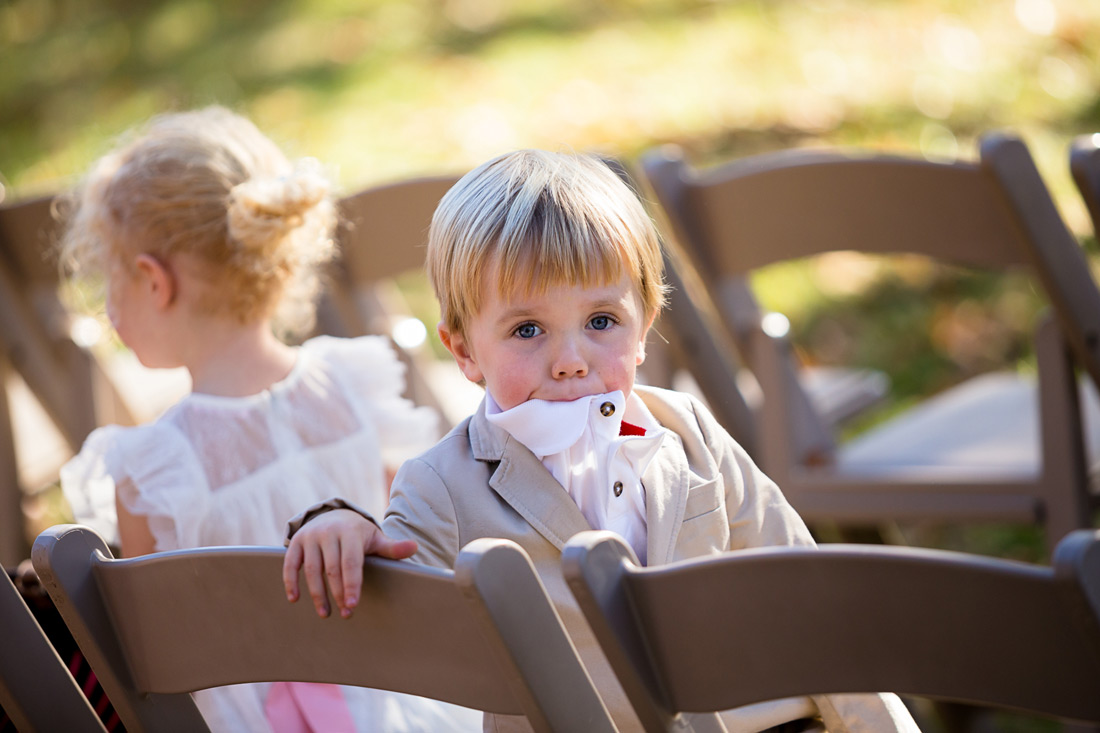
x=522 y=481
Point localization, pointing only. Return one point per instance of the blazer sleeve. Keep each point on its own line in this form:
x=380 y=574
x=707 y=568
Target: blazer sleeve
x=425 y=513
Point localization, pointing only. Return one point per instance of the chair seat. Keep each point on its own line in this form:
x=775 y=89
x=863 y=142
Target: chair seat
x=838 y=393
x=988 y=423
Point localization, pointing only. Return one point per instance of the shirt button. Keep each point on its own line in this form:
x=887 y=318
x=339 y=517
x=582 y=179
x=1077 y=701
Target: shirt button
x=607 y=409
x=618 y=488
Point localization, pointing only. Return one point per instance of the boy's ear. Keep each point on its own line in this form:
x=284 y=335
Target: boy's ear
x=157 y=280
x=459 y=347
x=640 y=357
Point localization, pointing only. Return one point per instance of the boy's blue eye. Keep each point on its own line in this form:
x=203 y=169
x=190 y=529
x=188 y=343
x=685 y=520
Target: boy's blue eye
x=600 y=323
x=528 y=331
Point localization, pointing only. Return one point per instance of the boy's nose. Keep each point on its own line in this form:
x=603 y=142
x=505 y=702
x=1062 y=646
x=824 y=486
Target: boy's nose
x=569 y=363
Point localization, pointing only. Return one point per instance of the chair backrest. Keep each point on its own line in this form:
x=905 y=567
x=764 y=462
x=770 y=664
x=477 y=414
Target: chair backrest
x=36 y=690
x=762 y=624
x=383 y=234
x=797 y=203
x=157 y=627
x=384 y=231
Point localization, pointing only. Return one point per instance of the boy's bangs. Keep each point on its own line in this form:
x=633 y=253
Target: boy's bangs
x=542 y=262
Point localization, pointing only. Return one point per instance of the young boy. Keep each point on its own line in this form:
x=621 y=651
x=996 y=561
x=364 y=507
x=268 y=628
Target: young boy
x=548 y=273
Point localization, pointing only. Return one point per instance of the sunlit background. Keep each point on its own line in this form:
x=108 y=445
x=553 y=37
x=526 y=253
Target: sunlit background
x=384 y=89
x=379 y=90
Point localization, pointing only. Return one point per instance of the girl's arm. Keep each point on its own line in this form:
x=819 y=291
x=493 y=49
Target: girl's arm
x=134 y=536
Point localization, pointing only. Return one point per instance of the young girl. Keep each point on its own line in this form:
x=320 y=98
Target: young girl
x=205 y=233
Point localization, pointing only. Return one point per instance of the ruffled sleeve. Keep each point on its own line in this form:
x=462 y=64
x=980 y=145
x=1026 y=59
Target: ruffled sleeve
x=375 y=378
x=89 y=486
x=155 y=474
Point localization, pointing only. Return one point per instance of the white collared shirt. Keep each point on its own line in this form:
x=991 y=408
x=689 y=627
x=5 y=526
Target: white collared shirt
x=580 y=443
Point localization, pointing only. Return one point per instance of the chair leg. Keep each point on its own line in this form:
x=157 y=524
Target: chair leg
x=1065 y=470
x=13 y=547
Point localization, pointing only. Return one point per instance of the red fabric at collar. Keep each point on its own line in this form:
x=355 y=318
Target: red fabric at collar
x=628 y=429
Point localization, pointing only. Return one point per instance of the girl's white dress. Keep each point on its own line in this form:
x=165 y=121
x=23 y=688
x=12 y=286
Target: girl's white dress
x=232 y=470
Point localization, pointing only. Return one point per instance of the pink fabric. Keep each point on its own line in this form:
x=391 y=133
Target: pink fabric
x=307 y=707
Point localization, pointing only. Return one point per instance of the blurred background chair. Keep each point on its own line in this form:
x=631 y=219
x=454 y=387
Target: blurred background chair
x=763 y=624
x=383 y=236
x=160 y=626
x=57 y=391
x=54 y=391
x=687 y=337
x=58 y=384
x=37 y=692
x=995 y=448
x=38 y=351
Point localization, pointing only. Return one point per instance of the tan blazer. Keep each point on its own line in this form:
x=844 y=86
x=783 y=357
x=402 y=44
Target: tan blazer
x=704 y=495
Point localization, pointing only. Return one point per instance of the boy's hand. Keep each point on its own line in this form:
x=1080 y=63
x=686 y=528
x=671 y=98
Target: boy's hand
x=332 y=546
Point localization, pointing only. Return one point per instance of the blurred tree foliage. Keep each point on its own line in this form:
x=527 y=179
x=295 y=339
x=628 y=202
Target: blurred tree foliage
x=381 y=89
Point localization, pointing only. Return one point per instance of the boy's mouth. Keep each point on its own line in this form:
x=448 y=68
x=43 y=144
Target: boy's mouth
x=572 y=396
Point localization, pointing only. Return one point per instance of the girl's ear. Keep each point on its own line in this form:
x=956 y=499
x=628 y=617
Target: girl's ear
x=157 y=280
x=459 y=347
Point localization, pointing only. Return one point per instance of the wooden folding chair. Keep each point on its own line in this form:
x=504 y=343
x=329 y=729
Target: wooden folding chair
x=35 y=342
x=995 y=448
x=730 y=630
x=383 y=235
x=37 y=692
x=157 y=627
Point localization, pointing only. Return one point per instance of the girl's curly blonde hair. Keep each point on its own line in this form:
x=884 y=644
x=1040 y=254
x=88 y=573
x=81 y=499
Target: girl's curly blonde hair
x=209 y=184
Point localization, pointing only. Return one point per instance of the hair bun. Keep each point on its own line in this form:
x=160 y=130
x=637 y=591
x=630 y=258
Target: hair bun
x=263 y=210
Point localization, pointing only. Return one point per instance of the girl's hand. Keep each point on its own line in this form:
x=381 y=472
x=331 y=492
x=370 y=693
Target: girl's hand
x=332 y=546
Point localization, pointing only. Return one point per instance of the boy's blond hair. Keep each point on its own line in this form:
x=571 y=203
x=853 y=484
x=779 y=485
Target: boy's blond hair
x=209 y=184
x=540 y=219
